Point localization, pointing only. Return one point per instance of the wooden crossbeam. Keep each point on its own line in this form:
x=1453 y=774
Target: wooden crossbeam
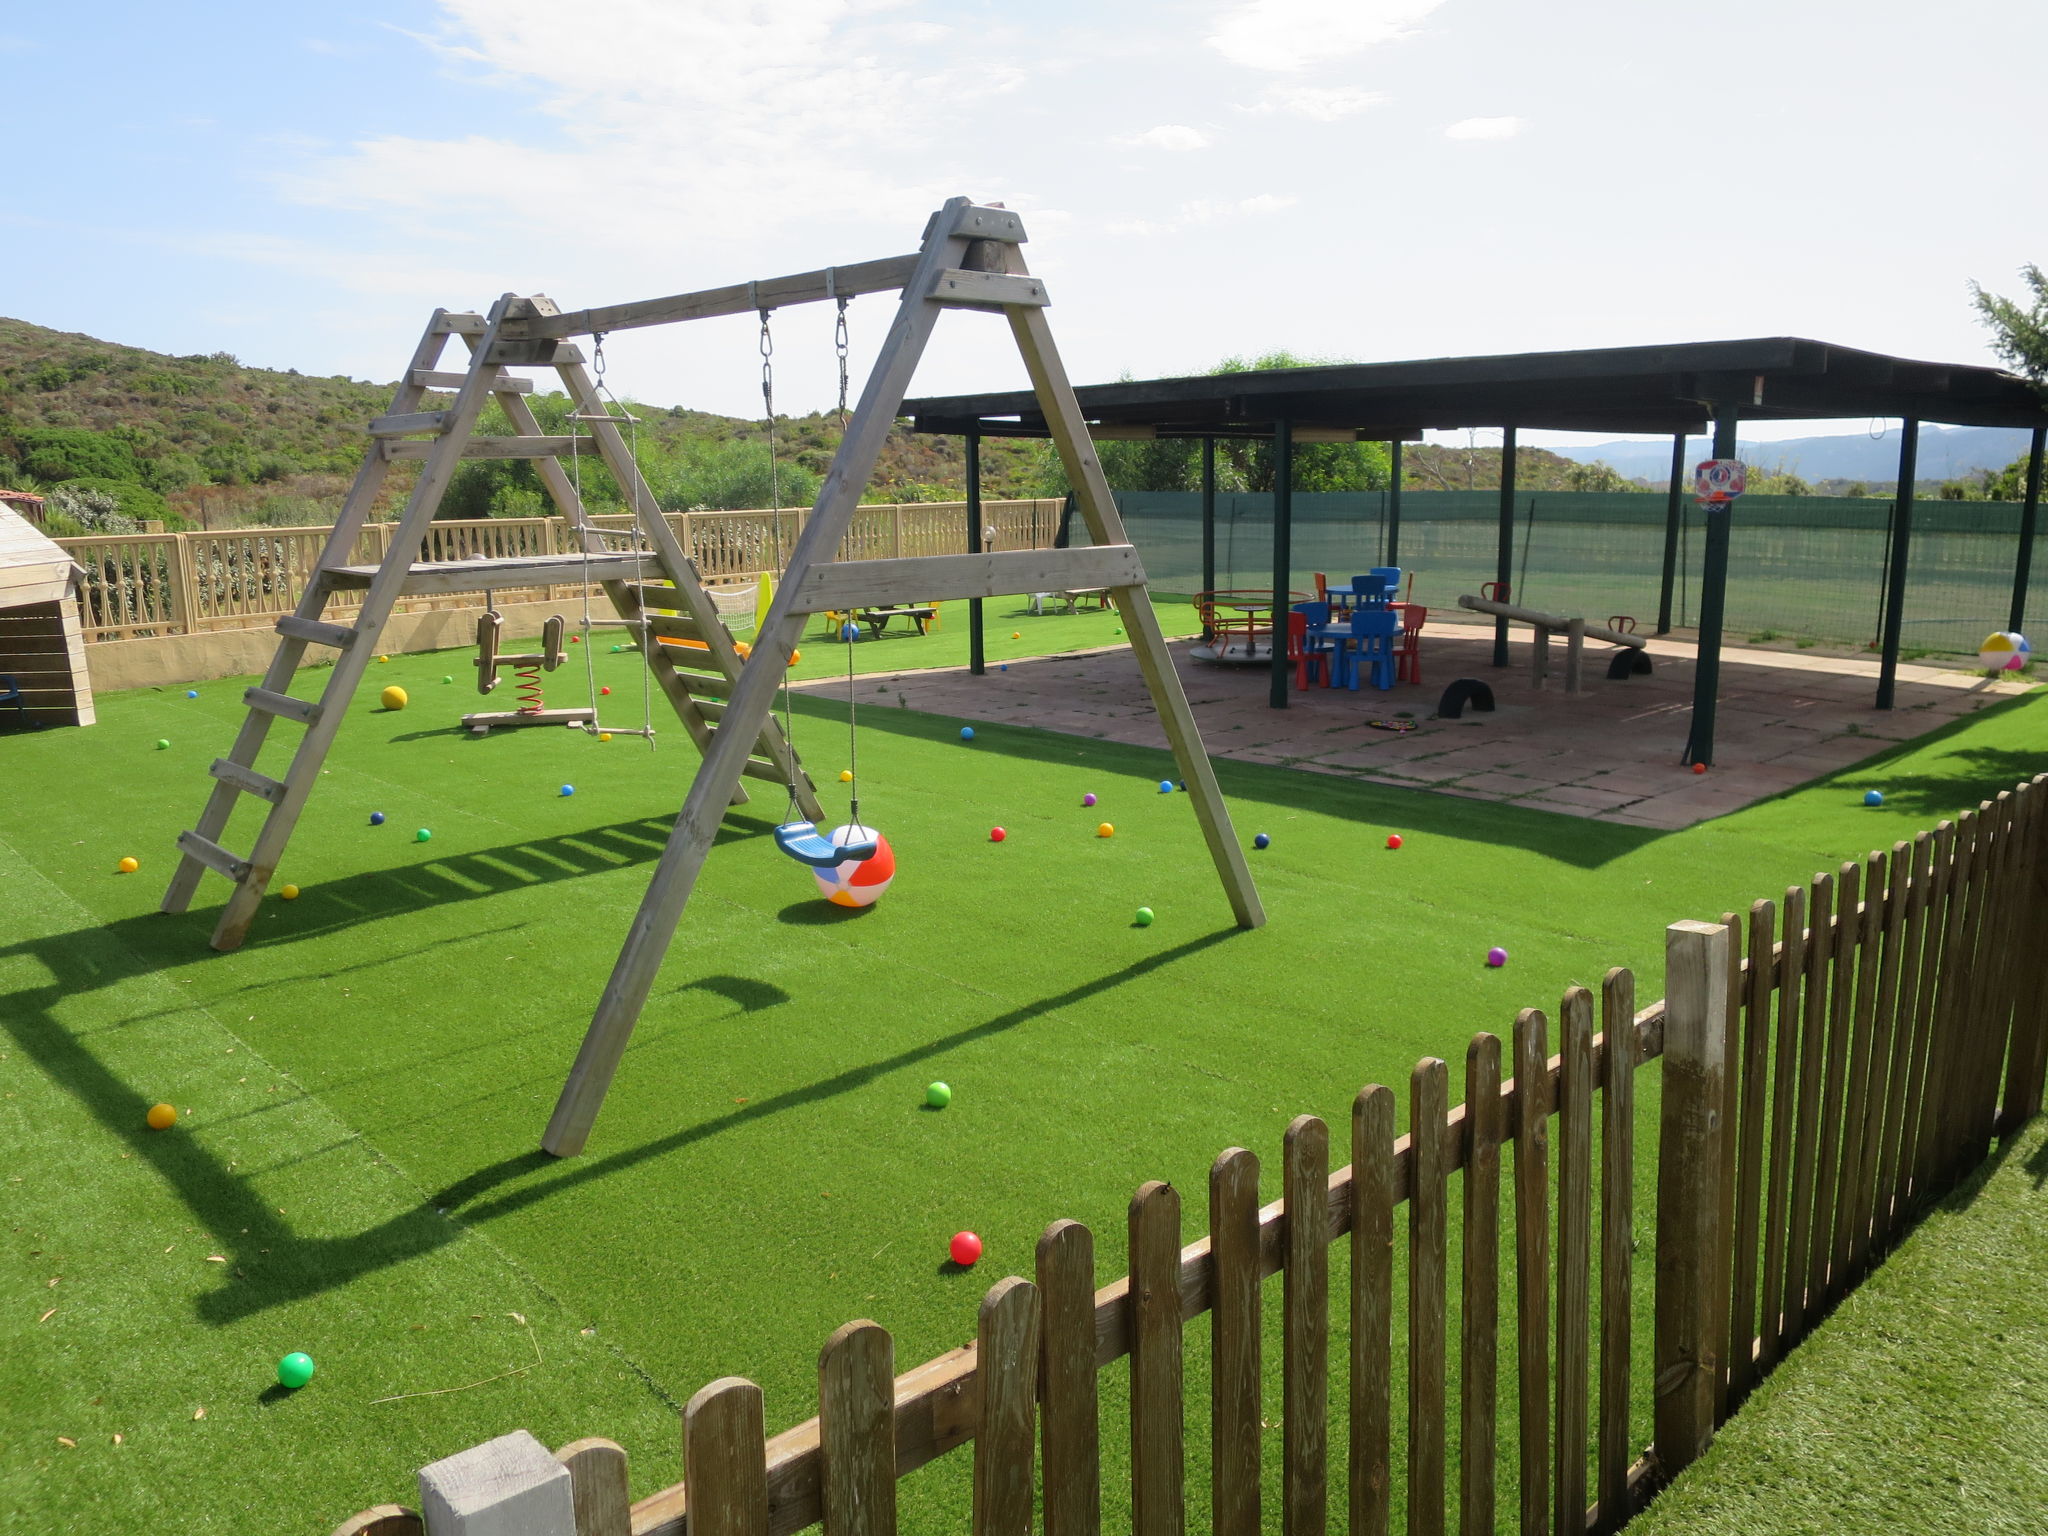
x=494 y=448
x=438 y=576
x=735 y=299
x=944 y=578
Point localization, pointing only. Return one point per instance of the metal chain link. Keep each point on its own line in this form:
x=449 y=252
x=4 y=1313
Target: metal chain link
x=839 y=346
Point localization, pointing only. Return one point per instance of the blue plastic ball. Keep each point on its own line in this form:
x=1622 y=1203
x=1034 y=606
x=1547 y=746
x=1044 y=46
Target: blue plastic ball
x=1261 y=841
x=1166 y=786
x=849 y=632
x=191 y=693
x=1872 y=797
x=967 y=733
x=376 y=818
x=568 y=789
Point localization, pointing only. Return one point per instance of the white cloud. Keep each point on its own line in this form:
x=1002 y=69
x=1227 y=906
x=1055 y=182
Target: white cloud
x=1172 y=136
x=1318 y=103
x=1485 y=128
x=1289 y=35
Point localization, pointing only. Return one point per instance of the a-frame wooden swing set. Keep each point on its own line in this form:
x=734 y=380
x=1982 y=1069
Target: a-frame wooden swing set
x=969 y=259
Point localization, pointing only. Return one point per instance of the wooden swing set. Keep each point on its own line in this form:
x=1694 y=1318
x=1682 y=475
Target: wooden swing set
x=969 y=259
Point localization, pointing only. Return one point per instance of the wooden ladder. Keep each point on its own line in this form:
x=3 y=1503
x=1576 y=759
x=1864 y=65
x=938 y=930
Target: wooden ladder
x=676 y=606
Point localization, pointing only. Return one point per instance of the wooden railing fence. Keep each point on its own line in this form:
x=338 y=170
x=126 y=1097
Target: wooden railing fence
x=139 y=585
x=1820 y=1085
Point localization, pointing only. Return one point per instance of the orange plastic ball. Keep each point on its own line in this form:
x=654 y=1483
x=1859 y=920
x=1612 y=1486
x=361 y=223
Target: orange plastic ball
x=162 y=1117
x=129 y=866
x=1105 y=830
x=1699 y=767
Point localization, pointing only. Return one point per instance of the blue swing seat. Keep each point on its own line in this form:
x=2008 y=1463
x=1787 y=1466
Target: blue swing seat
x=802 y=841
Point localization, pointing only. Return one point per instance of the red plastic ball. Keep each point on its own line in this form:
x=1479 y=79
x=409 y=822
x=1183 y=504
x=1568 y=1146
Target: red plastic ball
x=1393 y=839
x=997 y=834
x=965 y=1248
x=1699 y=767
x=604 y=690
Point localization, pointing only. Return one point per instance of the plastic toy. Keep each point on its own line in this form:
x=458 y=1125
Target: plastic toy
x=1496 y=957
x=2006 y=651
x=604 y=735
x=1262 y=841
x=568 y=789
x=1166 y=786
x=1144 y=917
x=288 y=892
x=846 y=775
x=967 y=733
x=938 y=1095
x=996 y=834
x=191 y=693
x=163 y=746
x=376 y=818
x=1873 y=797
x=161 y=1117
x=858 y=880
x=423 y=836
x=965 y=1249
x=295 y=1369
x=1087 y=799
x=1393 y=839
x=129 y=866
x=393 y=697
x=1699 y=767
x=1105 y=830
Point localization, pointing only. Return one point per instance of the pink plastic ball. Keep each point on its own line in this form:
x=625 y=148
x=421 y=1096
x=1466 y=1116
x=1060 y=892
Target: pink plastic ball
x=965 y=1249
x=1496 y=957
x=1087 y=799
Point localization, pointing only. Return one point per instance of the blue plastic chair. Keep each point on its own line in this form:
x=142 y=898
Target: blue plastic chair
x=1372 y=645
x=1369 y=591
x=1391 y=574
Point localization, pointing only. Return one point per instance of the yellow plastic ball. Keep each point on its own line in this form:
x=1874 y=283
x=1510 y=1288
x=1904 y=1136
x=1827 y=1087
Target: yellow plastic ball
x=129 y=866
x=1105 y=830
x=393 y=697
x=288 y=892
x=604 y=735
x=1016 y=634
x=846 y=775
x=383 y=658
x=161 y=1117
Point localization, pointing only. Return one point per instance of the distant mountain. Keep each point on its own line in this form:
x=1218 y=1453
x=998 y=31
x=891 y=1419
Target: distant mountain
x=1945 y=453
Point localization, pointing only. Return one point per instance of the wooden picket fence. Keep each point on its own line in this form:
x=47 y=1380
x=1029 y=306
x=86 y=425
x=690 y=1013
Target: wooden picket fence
x=1820 y=1085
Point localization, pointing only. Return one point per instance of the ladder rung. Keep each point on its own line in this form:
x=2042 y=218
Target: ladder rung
x=698 y=682
x=659 y=597
x=711 y=709
x=302 y=710
x=406 y=423
x=536 y=447
x=758 y=769
x=340 y=636
x=504 y=383
x=680 y=626
x=213 y=856
x=247 y=779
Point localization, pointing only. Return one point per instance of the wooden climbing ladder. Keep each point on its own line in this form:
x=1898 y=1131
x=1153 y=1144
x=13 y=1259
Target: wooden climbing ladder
x=970 y=259
x=676 y=606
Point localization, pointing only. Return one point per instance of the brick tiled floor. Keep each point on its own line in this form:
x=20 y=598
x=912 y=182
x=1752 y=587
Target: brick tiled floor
x=1610 y=752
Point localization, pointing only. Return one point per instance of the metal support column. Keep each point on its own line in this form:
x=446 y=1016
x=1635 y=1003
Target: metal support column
x=1895 y=576
x=1393 y=555
x=1208 y=526
x=2030 y=509
x=1706 y=678
x=977 y=660
x=1674 y=509
x=1283 y=554
x=1504 y=558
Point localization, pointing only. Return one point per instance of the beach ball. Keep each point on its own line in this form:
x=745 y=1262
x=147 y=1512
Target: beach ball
x=857 y=882
x=2006 y=651
x=393 y=697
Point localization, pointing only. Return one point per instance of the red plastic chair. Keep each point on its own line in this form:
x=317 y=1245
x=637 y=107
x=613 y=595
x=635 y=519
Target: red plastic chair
x=1305 y=659
x=1408 y=655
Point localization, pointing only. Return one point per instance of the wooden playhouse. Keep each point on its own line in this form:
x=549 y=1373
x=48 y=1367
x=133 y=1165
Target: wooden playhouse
x=42 y=656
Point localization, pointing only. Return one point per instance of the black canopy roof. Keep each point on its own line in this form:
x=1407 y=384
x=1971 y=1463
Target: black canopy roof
x=1661 y=389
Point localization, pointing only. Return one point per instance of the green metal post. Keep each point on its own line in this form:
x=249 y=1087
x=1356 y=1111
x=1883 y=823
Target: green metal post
x=1504 y=558
x=1208 y=525
x=1706 y=680
x=2029 y=511
x=1394 y=504
x=977 y=659
x=1674 y=510
x=1283 y=554
x=1895 y=584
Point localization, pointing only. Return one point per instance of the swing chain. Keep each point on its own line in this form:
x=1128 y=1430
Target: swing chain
x=768 y=409
x=597 y=358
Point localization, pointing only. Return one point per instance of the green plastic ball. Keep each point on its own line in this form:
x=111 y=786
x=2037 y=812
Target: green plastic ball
x=1144 y=918
x=163 y=746
x=423 y=836
x=295 y=1369
x=938 y=1095
x=447 y=679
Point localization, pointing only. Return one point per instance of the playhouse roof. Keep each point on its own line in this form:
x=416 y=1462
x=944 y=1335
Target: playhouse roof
x=32 y=568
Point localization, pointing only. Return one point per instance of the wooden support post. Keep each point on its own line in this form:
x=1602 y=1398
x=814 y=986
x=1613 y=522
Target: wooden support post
x=1674 y=509
x=1688 y=1349
x=510 y=1486
x=1895 y=571
x=1504 y=544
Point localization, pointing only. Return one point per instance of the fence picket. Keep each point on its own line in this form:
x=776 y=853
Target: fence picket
x=1479 y=1346
x=1870 y=1225
x=1070 y=1417
x=1305 y=1331
x=1428 y=1093
x=725 y=1460
x=1997 y=981
x=1006 y=1349
x=1372 y=1310
x=2024 y=1064
x=1721 y=1298
x=1869 y=941
x=1621 y=1052
x=1784 y=1101
x=857 y=1431
x=1158 y=1463
x=383 y=1520
x=1950 y=1012
x=597 y=1486
x=1748 y=1133
x=1801 y=1298
x=1532 y=1266
x=1917 y=981
x=1233 y=1345
x=1841 y=997
x=1574 y=1255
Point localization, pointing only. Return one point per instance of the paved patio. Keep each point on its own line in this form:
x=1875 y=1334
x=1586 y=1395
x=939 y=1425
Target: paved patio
x=1610 y=752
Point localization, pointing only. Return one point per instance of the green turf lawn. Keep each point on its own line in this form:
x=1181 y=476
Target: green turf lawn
x=365 y=1082
x=1921 y=1404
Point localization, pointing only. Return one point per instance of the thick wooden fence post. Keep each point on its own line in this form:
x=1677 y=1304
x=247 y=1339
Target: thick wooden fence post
x=510 y=1486
x=1688 y=1346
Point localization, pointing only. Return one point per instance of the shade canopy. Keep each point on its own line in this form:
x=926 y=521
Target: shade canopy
x=1660 y=389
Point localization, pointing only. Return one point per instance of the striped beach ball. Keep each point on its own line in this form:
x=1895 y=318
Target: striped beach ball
x=2006 y=651
x=858 y=882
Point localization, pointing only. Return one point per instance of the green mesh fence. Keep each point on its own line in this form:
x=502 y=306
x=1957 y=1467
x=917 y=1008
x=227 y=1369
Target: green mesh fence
x=1800 y=567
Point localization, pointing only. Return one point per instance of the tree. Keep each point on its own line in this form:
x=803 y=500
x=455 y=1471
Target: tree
x=2019 y=333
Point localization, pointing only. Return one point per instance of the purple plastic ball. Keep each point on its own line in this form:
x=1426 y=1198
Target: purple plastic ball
x=1496 y=956
x=1087 y=799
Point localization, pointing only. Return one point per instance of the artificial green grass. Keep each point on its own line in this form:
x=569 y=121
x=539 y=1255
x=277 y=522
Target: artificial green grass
x=764 y=1169
x=1921 y=1404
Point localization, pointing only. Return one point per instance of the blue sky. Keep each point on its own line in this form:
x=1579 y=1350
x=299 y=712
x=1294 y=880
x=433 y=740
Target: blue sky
x=1373 y=179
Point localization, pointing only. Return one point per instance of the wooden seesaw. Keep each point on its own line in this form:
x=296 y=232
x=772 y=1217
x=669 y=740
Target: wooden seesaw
x=1630 y=660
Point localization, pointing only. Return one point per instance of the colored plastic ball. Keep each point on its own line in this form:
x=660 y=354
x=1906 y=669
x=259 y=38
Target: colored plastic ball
x=858 y=882
x=849 y=632
x=393 y=697
x=965 y=1249
x=1496 y=957
x=1105 y=830
x=1144 y=917
x=2006 y=651
x=1699 y=767
x=191 y=693
x=423 y=836
x=295 y=1369
x=1166 y=786
x=288 y=892
x=1872 y=797
x=575 y=639
x=163 y=746
x=376 y=818
x=938 y=1095
x=1087 y=799
x=129 y=866
x=161 y=1117
x=604 y=690
x=446 y=679
x=1004 y=667
x=794 y=656
x=967 y=733
x=604 y=735
x=996 y=834
x=1262 y=841
x=568 y=789
x=1393 y=839
x=846 y=775
x=1016 y=634
x=383 y=658
x=616 y=649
